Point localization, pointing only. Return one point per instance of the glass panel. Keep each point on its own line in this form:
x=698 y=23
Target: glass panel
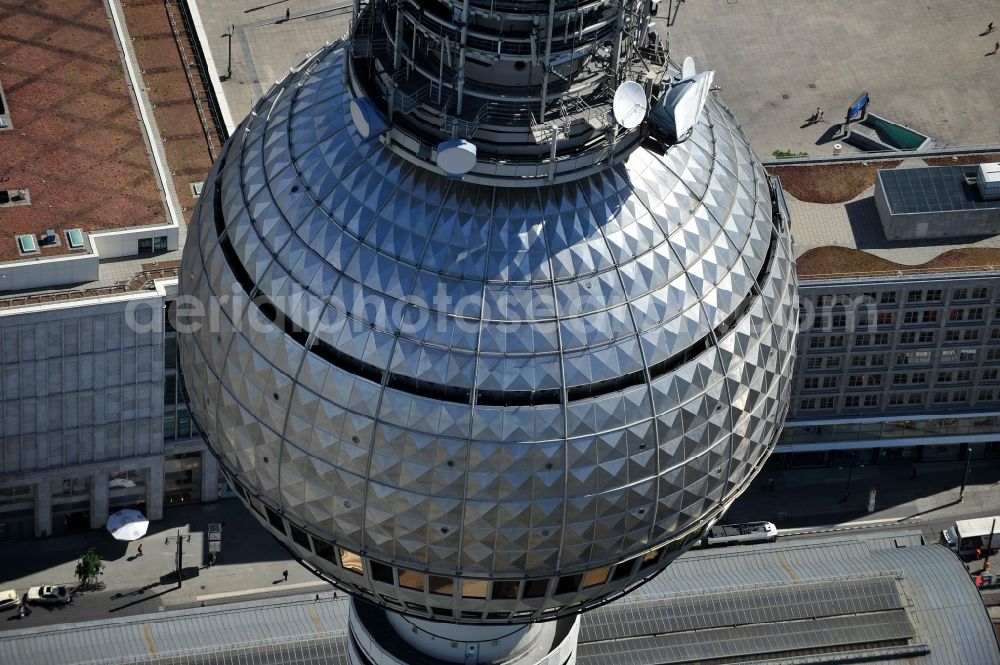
x=443 y=586
x=505 y=589
x=535 y=588
x=352 y=562
x=596 y=577
x=475 y=588
x=411 y=579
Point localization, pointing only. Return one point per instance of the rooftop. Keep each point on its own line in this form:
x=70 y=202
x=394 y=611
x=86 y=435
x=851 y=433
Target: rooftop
x=933 y=189
x=838 y=233
x=76 y=144
x=876 y=598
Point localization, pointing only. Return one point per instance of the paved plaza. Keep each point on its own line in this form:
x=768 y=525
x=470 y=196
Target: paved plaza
x=922 y=61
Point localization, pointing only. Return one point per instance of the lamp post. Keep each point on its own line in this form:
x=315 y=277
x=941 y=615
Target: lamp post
x=850 y=472
x=965 y=477
x=229 y=64
x=179 y=557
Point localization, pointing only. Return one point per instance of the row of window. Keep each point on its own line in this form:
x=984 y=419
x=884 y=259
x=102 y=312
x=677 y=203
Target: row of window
x=955 y=356
x=471 y=588
x=899 y=379
x=899 y=399
x=912 y=296
x=926 y=337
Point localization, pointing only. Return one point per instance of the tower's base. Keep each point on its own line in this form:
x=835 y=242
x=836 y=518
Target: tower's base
x=378 y=637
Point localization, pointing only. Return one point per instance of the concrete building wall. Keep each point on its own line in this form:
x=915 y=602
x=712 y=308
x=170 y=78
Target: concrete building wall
x=880 y=353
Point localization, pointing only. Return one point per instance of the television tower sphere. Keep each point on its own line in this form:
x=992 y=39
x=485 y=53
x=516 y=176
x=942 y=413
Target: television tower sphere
x=481 y=353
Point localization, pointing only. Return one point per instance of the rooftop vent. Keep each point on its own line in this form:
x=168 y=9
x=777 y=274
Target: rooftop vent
x=988 y=180
x=49 y=238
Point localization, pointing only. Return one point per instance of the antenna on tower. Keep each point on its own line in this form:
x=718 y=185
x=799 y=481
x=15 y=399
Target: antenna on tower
x=630 y=105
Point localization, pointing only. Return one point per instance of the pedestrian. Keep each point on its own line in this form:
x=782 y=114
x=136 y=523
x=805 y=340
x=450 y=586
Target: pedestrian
x=996 y=47
x=770 y=484
x=203 y=603
x=317 y=597
x=284 y=574
x=820 y=114
x=989 y=28
x=288 y=14
x=139 y=553
x=979 y=554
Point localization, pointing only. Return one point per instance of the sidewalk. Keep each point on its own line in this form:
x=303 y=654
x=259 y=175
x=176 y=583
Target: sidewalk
x=250 y=564
x=814 y=497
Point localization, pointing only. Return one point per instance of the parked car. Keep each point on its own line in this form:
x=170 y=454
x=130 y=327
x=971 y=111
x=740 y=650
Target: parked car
x=9 y=599
x=50 y=595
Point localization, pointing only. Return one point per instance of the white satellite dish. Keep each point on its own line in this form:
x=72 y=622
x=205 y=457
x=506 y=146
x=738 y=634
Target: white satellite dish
x=366 y=118
x=456 y=157
x=692 y=100
x=630 y=104
x=678 y=112
x=687 y=69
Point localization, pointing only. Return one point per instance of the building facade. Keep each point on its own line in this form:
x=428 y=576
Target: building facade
x=896 y=368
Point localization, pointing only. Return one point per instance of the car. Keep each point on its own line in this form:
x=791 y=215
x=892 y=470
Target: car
x=56 y=594
x=9 y=599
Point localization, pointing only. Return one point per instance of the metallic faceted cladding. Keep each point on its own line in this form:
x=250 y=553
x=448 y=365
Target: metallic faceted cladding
x=473 y=387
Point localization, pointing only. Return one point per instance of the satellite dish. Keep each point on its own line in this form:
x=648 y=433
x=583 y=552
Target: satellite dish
x=678 y=112
x=687 y=69
x=630 y=104
x=456 y=157
x=366 y=118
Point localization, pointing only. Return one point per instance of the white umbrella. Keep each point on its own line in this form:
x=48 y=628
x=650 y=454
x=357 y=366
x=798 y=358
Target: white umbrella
x=128 y=524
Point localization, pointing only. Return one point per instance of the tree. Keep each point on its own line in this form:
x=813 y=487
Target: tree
x=88 y=568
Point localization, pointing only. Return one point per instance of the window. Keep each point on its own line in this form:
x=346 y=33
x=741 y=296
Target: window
x=650 y=558
x=881 y=339
x=145 y=245
x=381 y=572
x=477 y=588
x=896 y=399
x=929 y=316
x=899 y=379
x=975 y=314
x=830 y=381
x=623 y=570
x=956 y=315
x=910 y=317
x=817 y=342
x=411 y=579
x=993 y=354
x=995 y=332
x=299 y=536
x=960 y=294
x=888 y=298
x=826 y=402
x=907 y=338
x=940 y=397
x=842 y=299
x=914 y=296
x=351 y=562
x=325 y=550
x=933 y=295
x=871 y=400
x=960 y=396
x=963 y=375
x=836 y=341
x=952 y=335
x=985 y=395
x=859 y=361
x=852 y=401
x=980 y=293
x=810 y=383
x=885 y=318
x=918 y=377
x=925 y=337
x=535 y=588
x=814 y=363
x=504 y=589
x=568 y=584
x=838 y=320
x=441 y=586
x=832 y=362
x=807 y=404
x=877 y=360
x=160 y=244
x=855 y=380
x=275 y=520
x=824 y=301
x=990 y=374
x=873 y=380
x=970 y=335
x=863 y=339
x=915 y=398
x=596 y=577
x=945 y=377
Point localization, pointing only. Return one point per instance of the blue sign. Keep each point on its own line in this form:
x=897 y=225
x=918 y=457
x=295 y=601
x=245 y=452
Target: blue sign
x=858 y=107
